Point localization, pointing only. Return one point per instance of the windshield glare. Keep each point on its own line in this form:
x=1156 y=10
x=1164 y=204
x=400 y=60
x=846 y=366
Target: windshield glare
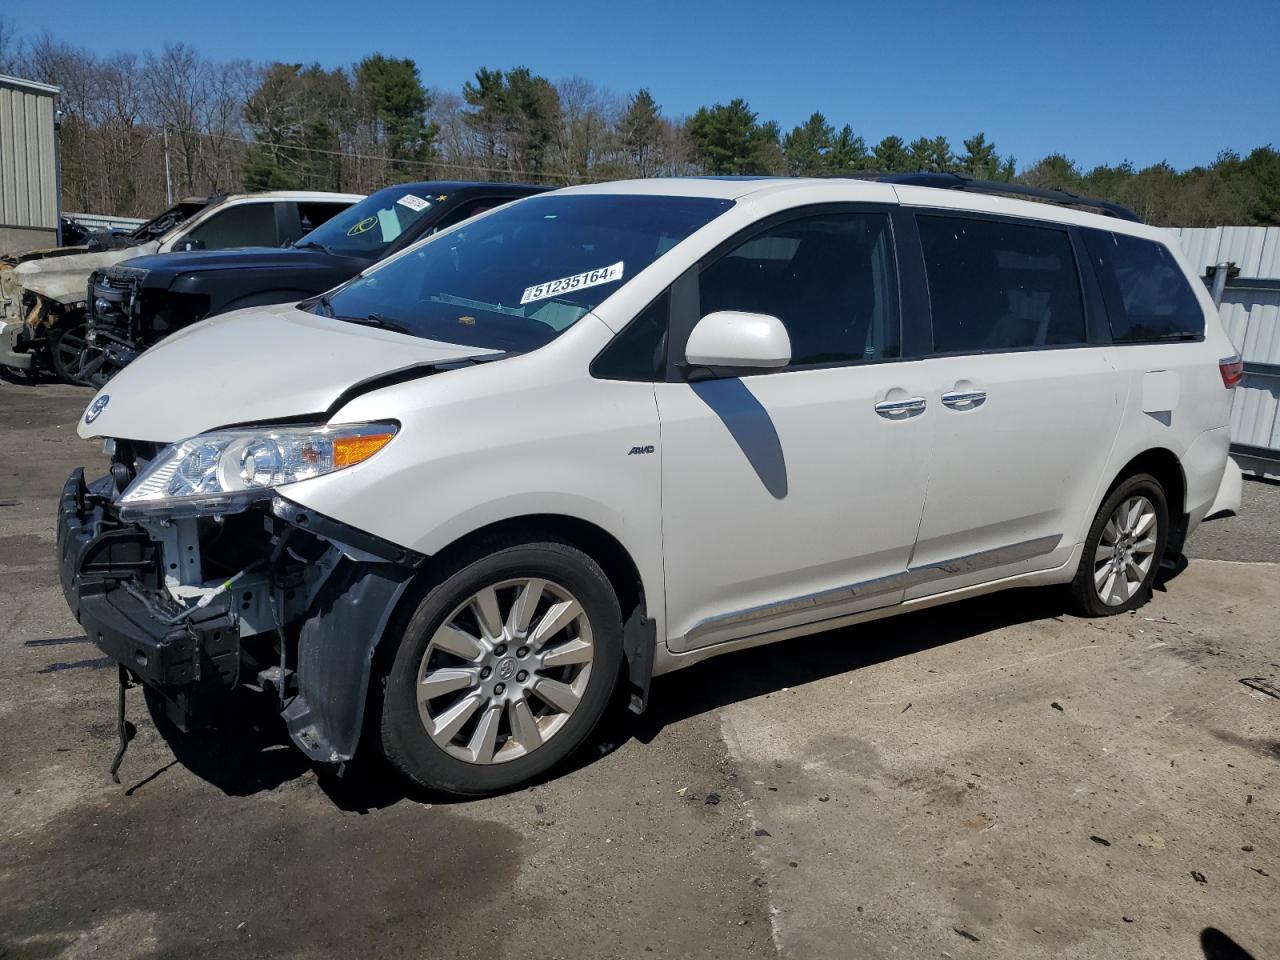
x=368 y=228
x=516 y=278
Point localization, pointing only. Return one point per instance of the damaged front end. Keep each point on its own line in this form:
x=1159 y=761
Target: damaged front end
x=21 y=316
x=42 y=298
x=112 y=322
x=259 y=593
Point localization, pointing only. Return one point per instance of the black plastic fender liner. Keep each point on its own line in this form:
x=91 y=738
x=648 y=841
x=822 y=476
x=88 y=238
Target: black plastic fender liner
x=639 y=638
x=335 y=656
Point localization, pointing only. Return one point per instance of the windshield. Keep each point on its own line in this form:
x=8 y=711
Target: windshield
x=515 y=279
x=368 y=228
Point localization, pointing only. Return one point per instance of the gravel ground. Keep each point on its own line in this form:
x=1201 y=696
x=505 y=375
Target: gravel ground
x=994 y=779
x=1253 y=535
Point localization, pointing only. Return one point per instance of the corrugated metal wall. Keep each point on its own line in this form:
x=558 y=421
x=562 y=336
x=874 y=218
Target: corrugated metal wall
x=1251 y=316
x=28 y=160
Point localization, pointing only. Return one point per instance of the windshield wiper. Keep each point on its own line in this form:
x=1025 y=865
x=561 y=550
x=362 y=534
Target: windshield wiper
x=379 y=321
x=304 y=244
x=325 y=305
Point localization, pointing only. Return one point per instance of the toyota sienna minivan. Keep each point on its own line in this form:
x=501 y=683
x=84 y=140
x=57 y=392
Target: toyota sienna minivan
x=603 y=433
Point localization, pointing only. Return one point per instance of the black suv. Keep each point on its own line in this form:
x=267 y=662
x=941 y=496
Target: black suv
x=139 y=302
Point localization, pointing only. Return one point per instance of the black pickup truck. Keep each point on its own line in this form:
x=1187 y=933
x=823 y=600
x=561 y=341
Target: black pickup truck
x=135 y=304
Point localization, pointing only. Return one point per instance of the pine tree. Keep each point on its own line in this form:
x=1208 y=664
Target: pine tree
x=807 y=148
x=727 y=140
x=848 y=153
x=890 y=156
x=640 y=133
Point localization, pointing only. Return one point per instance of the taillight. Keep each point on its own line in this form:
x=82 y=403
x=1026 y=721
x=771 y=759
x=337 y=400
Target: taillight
x=1232 y=370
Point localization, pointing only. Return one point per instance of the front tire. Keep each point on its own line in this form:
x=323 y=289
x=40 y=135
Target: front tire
x=67 y=351
x=503 y=670
x=1123 y=550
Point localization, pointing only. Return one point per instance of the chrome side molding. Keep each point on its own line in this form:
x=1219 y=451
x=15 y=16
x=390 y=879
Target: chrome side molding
x=828 y=604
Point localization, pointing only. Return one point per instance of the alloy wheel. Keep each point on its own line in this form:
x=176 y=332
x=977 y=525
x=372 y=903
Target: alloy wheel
x=505 y=670
x=1125 y=552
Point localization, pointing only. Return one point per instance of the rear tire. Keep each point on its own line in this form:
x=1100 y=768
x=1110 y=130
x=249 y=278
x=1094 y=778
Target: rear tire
x=504 y=669
x=1123 y=550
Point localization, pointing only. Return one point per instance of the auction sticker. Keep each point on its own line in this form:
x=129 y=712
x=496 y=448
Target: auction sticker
x=416 y=204
x=579 y=281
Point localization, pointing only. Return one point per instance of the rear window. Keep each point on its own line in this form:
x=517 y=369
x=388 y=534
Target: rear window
x=1148 y=297
x=997 y=286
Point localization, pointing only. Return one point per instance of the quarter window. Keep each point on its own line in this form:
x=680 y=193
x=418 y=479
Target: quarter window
x=997 y=286
x=830 y=279
x=639 y=352
x=1148 y=297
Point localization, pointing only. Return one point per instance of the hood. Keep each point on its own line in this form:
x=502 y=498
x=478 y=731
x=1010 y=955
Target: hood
x=64 y=279
x=251 y=366
x=169 y=265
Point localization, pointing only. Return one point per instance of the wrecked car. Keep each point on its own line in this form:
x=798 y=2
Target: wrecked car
x=448 y=508
x=43 y=293
x=135 y=304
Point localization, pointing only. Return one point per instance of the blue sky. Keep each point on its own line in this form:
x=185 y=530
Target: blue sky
x=1100 y=81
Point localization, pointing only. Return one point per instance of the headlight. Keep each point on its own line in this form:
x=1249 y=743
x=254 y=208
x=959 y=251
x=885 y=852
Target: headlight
x=228 y=469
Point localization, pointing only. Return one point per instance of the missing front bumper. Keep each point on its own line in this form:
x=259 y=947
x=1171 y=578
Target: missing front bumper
x=112 y=576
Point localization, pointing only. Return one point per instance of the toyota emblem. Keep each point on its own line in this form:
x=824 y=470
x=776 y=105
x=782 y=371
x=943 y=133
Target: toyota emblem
x=96 y=408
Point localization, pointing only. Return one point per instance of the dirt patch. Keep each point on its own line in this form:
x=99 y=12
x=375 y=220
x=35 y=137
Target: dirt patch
x=396 y=881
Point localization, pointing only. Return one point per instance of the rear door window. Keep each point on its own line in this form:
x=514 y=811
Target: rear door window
x=1148 y=297
x=996 y=286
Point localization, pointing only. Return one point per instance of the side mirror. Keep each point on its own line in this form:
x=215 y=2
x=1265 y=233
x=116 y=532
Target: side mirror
x=730 y=342
x=191 y=244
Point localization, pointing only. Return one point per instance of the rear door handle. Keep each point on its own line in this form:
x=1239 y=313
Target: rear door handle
x=892 y=408
x=964 y=399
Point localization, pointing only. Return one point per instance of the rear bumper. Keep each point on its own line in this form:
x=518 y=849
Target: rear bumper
x=1210 y=473
x=1226 y=503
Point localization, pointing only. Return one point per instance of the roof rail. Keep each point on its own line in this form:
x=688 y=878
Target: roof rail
x=961 y=181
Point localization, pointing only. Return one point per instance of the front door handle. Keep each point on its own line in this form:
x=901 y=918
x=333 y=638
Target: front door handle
x=893 y=408
x=964 y=399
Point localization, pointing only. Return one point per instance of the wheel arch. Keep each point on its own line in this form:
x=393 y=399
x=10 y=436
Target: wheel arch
x=1163 y=464
x=639 y=626
x=593 y=540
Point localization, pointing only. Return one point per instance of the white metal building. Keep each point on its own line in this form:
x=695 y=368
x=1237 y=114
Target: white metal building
x=1250 y=309
x=29 y=201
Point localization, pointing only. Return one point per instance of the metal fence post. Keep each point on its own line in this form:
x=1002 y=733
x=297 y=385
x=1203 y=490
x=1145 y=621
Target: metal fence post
x=1219 y=282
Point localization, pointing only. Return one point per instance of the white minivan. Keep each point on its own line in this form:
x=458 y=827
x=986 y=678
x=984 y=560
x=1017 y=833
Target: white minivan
x=603 y=433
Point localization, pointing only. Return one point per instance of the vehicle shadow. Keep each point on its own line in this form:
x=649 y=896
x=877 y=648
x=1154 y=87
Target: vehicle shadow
x=793 y=663
x=254 y=752
x=1218 y=946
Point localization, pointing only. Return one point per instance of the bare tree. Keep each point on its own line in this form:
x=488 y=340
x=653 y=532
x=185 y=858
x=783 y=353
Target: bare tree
x=177 y=82
x=10 y=48
x=585 y=143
